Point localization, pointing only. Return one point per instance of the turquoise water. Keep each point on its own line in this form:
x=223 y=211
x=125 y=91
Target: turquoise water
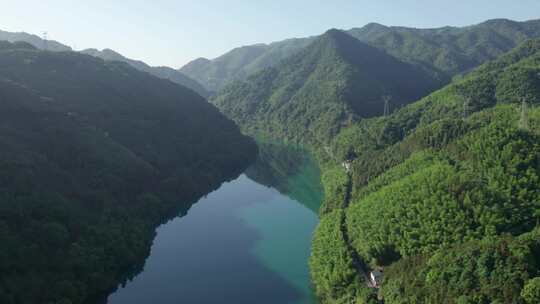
x=247 y=242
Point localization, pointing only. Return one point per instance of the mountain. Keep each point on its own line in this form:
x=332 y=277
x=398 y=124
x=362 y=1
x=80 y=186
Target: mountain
x=34 y=40
x=447 y=50
x=161 y=72
x=95 y=155
x=110 y=55
x=241 y=62
x=451 y=50
x=313 y=94
x=441 y=194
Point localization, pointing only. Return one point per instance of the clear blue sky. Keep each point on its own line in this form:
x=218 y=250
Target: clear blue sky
x=169 y=32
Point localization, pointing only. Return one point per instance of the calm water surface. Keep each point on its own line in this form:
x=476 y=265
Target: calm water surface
x=247 y=242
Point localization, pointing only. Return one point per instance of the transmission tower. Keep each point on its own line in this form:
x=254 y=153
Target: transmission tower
x=524 y=119
x=45 y=41
x=387 y=100
x=466 y=107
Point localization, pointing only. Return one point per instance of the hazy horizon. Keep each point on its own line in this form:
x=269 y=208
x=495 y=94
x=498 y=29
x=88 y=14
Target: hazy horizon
x=175 y=32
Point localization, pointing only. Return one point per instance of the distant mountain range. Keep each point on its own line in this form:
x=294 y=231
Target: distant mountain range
x=447 y=50
x=109 y=55
x=34 y=40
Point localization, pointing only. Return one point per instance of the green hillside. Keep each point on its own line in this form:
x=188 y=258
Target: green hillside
x=161 y=72
x=450 y=177
x=94 y=156
x=330 y=84
x=450 y=50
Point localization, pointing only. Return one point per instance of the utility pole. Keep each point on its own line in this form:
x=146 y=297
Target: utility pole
x=45 y=42
x=524 y=119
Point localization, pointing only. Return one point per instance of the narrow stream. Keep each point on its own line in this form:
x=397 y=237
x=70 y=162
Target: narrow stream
x=247 y=242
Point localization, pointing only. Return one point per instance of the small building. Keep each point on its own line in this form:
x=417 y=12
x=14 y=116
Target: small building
x=347 y=165
x=376 y=278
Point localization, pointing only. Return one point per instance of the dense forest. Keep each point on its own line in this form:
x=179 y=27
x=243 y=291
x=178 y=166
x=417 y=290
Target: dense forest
x=444 y=195
x=313 y=94
x=94 y=156
x=430 y=183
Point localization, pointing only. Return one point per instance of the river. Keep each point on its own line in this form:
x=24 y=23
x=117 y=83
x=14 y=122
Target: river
x=247 y=242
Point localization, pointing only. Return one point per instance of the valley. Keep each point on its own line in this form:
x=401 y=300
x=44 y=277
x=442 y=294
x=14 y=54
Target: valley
x=381 y=164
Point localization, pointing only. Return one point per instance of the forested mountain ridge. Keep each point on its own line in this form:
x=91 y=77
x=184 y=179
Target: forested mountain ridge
x=94 y=156
x=161 y=72
x=443 y=195
x=448 y=50
x=110 y=55
x=34 y=40
x=333 y=82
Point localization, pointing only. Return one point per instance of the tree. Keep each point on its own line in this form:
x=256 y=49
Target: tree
x=531 y=291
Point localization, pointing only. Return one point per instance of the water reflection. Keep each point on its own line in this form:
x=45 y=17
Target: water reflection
x=289 y=169
x=247 y=242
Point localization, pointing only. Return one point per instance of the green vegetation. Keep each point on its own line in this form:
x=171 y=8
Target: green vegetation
x=109 y=55
x=493 y=270
x=329 y=85
x=94 y=156
x=450 y=50
x=445 y=192
x=479 y=190
x=332 y=267
x=458 y=167
x=531 y=291
x=436 y=120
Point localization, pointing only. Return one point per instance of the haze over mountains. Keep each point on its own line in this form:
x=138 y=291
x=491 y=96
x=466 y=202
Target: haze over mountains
x=109 y=55
x=34 y=40
x=161 y=72
x=448 y=50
